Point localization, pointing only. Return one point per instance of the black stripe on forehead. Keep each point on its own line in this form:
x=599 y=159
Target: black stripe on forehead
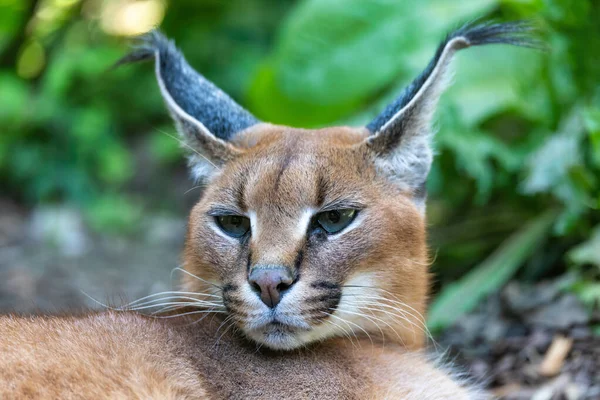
x=235 y=192
x=240 y=194
x=285 y=163
x=322 y=185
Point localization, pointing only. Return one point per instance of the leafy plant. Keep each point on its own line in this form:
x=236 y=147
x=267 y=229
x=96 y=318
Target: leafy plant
x=490 y=275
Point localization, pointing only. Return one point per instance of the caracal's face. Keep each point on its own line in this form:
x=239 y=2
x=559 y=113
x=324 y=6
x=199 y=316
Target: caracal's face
x=301 y=240
x=302 y=235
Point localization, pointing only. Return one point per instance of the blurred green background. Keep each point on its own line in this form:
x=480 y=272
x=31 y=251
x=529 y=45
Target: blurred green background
x=514 y=191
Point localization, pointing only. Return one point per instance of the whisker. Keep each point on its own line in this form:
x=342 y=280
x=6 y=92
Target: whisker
x=96 y=301
x=401 y=305
x=344 y=331
x=225 y=331
x=172 y=303
x=189 y=313
x=380 y=303
x=199 y=319
x=170 y=292
x=402 y=317
x=398 y=301
x=173 y=300
x=193 y=276
x=194 y=300
x=376 y=324
x=419 y=316
x=193 y=188
x=350 y=322
x=167 y=309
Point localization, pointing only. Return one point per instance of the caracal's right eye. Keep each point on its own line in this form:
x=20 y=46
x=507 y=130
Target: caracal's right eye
x=234 y=225
x=335 y=220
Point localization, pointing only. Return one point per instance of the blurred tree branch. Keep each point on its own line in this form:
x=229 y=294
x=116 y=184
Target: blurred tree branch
x=8 y=58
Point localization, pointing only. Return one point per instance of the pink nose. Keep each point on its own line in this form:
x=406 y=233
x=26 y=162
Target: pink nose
x=270 y=282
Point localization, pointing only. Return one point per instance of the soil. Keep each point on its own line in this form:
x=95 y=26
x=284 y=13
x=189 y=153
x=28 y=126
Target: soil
x=66 y=268
x=530 y=341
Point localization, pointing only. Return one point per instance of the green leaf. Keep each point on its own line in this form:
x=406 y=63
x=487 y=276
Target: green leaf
x=591 y=120
x=13 y=98
x=115 y=164
x=335 y=55
x=475 y=152
x=462 y=296
x=587 y=252
x=506 y=71
x=557 y=165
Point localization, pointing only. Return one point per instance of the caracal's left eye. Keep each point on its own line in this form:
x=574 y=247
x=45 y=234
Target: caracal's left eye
x=335 y=220
x=234 y=225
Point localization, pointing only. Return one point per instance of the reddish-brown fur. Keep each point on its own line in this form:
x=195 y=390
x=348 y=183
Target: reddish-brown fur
x=277 y=173
x=344 y=315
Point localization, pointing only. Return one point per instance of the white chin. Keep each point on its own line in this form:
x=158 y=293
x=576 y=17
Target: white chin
x=277 y=338
x=286 y=338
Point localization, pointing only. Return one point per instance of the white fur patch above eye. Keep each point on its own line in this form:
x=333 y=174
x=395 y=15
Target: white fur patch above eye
x=254 y=229
x=303 y=222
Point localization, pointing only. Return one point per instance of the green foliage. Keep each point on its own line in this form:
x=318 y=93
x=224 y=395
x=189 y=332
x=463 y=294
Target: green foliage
x=333 y=57
x=114 y=213
x=519 y=131
x=73 y=129
x=490 y=275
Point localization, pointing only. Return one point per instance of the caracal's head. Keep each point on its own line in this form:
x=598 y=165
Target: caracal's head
x=301 y=235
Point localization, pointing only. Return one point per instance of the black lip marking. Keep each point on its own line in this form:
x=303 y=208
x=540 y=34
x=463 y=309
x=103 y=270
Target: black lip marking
x=324 y=285
x=249 y=262
x=329 y=297
x=297 y=263
x=229 y=287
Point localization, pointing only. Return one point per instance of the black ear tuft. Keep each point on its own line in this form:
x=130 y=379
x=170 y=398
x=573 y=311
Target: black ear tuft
x=517 y=33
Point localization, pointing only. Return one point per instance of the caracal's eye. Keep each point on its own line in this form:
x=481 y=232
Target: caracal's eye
x=335 y=220
x=234 y=225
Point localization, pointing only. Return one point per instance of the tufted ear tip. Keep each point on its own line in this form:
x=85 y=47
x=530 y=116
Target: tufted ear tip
x=145 y=49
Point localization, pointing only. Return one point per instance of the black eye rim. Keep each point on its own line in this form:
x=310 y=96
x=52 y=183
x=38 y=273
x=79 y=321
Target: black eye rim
x=317 y=224
x=217 y=218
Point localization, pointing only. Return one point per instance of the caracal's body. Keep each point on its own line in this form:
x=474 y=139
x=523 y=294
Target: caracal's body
x=123 y=355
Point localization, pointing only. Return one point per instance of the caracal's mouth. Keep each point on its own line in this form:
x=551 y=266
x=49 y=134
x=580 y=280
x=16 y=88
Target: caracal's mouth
x=279 y=335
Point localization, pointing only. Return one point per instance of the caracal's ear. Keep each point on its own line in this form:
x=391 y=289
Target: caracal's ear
x=205 y=116
x=401 y=136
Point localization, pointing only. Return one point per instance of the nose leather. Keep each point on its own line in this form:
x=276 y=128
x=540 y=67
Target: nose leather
x=270 y=283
